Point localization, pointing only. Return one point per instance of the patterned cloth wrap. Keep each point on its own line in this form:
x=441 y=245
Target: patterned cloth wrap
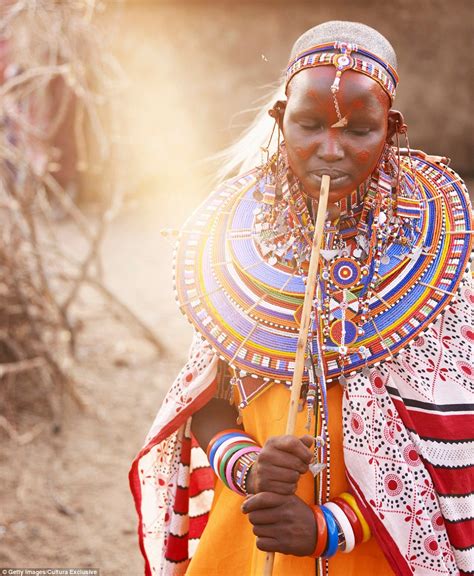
x=408 y=453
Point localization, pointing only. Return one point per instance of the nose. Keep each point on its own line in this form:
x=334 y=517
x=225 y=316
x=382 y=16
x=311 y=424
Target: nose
x=330 y=149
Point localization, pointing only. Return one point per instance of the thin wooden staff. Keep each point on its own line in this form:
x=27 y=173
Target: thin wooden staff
x=304 y=326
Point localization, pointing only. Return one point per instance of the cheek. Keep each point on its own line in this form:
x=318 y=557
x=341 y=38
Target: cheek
x=363 y=156
x=303 y=153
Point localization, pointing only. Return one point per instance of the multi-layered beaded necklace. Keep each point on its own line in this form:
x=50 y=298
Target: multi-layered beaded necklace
x=354 y=247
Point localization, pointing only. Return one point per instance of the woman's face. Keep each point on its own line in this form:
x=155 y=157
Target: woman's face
x=315 y=146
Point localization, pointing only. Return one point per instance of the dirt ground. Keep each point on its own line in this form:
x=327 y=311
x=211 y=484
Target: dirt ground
x=64 y=499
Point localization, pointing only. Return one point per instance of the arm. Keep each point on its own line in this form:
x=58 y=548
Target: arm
x=283 y=458
x=281 y=521
x=215 y=416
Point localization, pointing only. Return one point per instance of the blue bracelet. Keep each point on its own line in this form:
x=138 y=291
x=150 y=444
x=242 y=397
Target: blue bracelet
x=218 y=442
x=333 y=538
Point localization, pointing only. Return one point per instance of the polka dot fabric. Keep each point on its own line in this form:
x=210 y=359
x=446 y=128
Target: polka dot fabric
x=408 y=448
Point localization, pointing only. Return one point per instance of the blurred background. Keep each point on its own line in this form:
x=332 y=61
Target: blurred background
x=196 y=67
x=111 y=113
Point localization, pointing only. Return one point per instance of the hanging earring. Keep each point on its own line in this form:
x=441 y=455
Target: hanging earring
x=268 y=188
x=408 y=204
x=372 y=197
x=277 y=113
x=403 y=129
x=397 y=137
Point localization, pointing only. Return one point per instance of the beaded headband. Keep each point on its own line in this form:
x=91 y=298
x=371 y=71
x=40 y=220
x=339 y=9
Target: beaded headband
x=320 y=55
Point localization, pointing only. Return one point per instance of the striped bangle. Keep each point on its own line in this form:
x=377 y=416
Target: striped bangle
x=321 y=532
x=366 y=534
x=231 y=463
x=346 y=534
x=352 y=517
x=242 y=469
x=333 y=533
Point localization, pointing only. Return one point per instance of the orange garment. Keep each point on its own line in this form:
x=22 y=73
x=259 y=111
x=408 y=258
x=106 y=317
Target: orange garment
x=227 y=546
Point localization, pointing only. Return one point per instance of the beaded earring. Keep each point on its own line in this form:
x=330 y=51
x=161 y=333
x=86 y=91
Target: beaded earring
x=408 y=204
x=270 y=173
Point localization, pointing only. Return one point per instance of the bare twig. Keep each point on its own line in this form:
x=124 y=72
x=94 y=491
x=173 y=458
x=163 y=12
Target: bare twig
x=59 y=68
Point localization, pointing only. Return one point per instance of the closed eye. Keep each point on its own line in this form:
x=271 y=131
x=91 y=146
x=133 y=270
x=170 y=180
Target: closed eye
x=358 y=131
x=309 y=125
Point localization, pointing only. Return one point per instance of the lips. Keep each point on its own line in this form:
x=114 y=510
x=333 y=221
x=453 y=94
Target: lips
x=331 y=172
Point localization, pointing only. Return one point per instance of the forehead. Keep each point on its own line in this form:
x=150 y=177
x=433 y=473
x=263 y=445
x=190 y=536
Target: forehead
x=313 y=85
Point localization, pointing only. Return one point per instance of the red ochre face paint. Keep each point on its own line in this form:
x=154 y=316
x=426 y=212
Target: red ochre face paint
x=363 y=156
x=380 y=94
x=349 y=154
x=305 y=153
x=357 y=104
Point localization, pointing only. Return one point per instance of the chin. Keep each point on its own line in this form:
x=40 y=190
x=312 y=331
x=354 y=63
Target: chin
x=336 y=193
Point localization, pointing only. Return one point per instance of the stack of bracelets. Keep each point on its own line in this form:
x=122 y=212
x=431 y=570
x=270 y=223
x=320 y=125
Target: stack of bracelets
x=340 y=524
x=232 y=453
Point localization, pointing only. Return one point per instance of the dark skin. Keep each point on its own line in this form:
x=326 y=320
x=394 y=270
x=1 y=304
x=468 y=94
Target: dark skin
x=315 y=146
x=281 y=521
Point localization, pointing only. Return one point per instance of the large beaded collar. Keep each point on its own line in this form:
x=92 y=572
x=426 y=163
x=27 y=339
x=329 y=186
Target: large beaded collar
x=241 y=283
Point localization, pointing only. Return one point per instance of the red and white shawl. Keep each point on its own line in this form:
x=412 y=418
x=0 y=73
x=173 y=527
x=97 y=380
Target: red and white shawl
x=408 y=452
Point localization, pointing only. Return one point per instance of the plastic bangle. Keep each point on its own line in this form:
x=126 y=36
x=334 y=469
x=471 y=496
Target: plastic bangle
x=220 y=434
x=345 y=525
x=321 y=532
x=229 y=467
x=225 y=458
x=353 y=504
x=217 y=440
x=352 y=517
x=333 y=533
x=223 y=446
x=228 y=445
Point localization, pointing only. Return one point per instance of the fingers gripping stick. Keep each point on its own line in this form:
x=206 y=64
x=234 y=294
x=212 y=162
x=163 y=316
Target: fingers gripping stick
x=304 y=326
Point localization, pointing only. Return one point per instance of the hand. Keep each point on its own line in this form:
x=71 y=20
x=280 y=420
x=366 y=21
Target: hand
x=282 y=524
x=279 y=465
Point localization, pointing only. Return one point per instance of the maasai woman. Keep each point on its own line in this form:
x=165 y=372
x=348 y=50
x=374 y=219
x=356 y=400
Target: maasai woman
x=378 y=479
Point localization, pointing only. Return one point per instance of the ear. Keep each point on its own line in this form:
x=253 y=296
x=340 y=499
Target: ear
x=396 y=123
x=277 y=111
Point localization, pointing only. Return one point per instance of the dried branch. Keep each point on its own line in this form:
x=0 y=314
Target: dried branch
x=58 y=68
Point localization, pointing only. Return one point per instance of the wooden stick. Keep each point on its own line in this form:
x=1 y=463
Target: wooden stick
x=304 y=326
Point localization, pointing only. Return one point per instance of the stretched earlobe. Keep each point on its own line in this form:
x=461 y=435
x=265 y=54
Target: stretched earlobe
x=278 y=111
x=396 y=124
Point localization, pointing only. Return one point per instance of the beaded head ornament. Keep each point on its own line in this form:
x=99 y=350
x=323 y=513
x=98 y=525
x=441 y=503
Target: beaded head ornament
x=341 y=55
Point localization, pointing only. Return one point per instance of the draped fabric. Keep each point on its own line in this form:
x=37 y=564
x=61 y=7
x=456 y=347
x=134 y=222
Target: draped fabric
x=409 y=447
x=408 y=453
x=170 y=479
